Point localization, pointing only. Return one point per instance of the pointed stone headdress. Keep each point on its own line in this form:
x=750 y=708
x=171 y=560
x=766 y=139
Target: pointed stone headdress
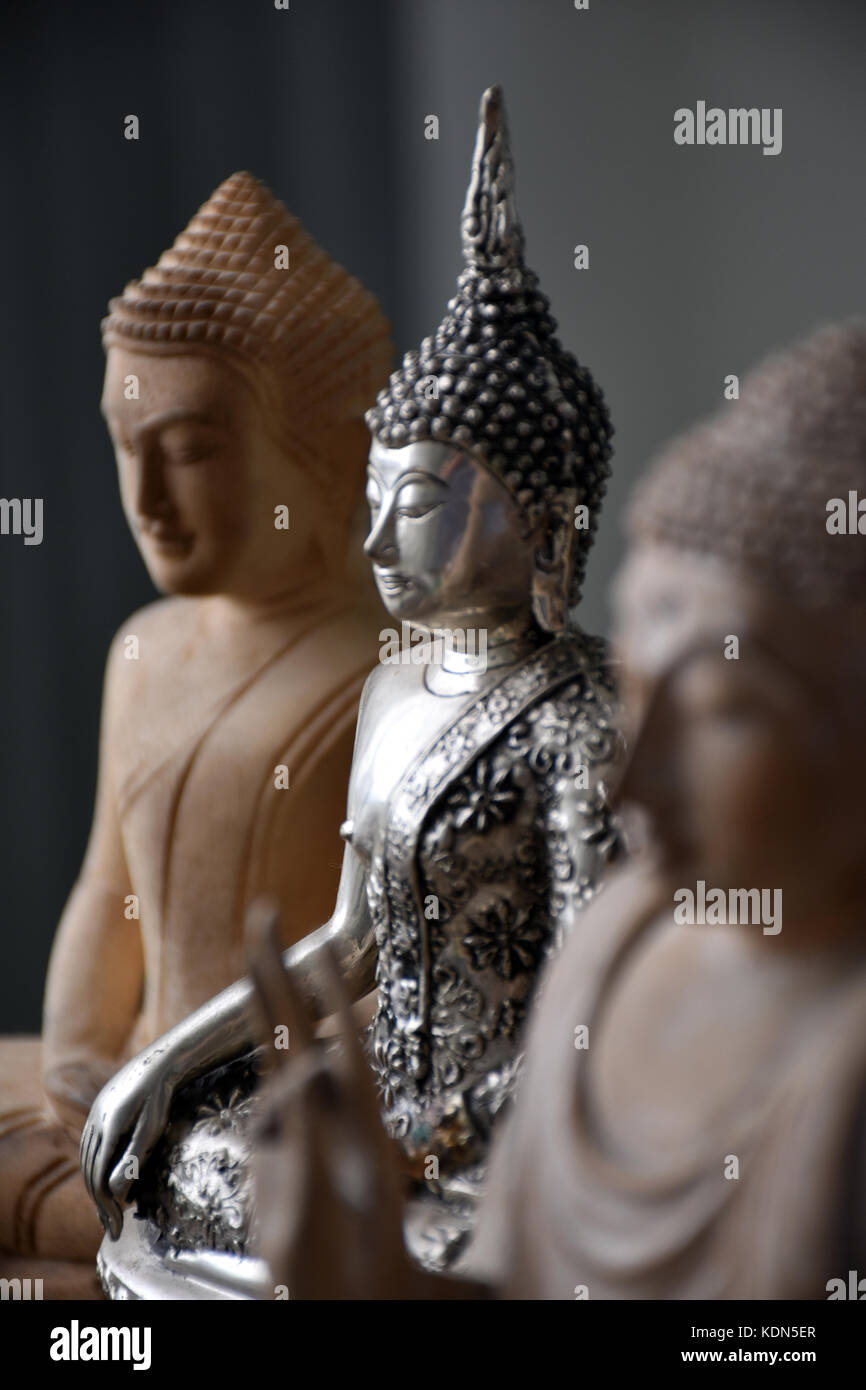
x=494 y=379
x=245 y=280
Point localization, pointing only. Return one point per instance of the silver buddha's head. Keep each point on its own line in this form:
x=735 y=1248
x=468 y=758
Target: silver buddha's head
x=512 y=432
x=447 y=542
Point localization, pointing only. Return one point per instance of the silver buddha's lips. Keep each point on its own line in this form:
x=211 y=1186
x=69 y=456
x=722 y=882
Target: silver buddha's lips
x=392 y=581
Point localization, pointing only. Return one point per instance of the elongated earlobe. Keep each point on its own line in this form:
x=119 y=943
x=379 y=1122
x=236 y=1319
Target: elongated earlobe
x=554 y=570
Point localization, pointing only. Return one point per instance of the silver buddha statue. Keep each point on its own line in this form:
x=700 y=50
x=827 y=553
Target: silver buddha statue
x=477 y=822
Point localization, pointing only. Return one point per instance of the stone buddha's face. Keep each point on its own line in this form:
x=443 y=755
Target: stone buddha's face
x=201 y=475
x=735 y=754
x=445 y=538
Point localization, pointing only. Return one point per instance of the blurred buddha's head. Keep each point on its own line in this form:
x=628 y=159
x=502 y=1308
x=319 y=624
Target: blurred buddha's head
x=741 y=621
x=237 y=373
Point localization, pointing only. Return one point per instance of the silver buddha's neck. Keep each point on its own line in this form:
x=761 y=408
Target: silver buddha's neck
x=463 y=667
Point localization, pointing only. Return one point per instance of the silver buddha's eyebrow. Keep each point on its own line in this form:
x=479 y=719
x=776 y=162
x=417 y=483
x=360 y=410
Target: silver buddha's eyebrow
x=417 y=475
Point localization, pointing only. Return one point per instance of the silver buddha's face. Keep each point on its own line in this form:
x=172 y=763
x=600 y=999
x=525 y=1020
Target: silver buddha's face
x=445 y=537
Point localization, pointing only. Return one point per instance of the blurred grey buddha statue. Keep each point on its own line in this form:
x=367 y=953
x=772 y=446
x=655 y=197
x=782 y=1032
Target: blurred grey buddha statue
x=477 y=820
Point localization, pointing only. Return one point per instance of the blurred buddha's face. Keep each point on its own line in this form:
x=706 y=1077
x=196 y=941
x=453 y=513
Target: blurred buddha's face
x=444 y=539
x=200 y=477
x=730 y=758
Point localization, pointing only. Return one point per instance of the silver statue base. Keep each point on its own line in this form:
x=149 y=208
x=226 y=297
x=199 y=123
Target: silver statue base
x=141 y=1266
x=191 y=1231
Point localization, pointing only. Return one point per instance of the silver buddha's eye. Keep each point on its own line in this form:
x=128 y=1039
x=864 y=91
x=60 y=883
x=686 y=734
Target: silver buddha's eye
x=415 y=510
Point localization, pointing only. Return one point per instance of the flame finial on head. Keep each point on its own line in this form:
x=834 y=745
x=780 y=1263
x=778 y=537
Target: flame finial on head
x=492 y=234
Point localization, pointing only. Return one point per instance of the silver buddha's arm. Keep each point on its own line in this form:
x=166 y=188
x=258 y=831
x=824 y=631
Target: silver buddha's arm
x=223 y=1027
x=131 y=1112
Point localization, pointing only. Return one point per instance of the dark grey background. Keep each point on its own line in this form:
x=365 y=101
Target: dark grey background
x=700 y=260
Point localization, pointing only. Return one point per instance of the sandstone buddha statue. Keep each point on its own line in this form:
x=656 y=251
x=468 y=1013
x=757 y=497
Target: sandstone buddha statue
x=690 y=1123
x=237 y=372
x=477 y=816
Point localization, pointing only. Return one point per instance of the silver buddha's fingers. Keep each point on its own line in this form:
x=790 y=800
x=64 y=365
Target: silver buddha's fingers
x=126 y=1119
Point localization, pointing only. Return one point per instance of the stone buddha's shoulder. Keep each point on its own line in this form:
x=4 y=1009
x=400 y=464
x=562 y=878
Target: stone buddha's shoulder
x=163 y=621
x=145 y=645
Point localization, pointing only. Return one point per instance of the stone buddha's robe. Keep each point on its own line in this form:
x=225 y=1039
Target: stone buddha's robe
x=572 y=1213
x=217 y=774
x=226 y=773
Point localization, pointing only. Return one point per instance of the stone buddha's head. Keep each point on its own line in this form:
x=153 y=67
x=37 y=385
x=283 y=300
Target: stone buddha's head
x=741 y=619
x=490 y=444
x=237 y=372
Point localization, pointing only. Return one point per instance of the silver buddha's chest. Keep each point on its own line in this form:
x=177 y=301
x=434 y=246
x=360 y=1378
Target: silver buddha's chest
x=491 y=841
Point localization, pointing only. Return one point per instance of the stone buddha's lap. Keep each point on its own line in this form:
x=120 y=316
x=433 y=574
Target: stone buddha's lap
x=46 y=1216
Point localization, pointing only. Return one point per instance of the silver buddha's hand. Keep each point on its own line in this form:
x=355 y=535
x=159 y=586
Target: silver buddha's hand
x=131 y=1113
x=125 y=1121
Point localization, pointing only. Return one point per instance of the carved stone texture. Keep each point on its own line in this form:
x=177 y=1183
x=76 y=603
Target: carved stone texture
x=237 y=371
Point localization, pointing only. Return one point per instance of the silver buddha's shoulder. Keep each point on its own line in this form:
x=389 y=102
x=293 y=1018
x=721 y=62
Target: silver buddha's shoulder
x=575 y=724
x=575 y=746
